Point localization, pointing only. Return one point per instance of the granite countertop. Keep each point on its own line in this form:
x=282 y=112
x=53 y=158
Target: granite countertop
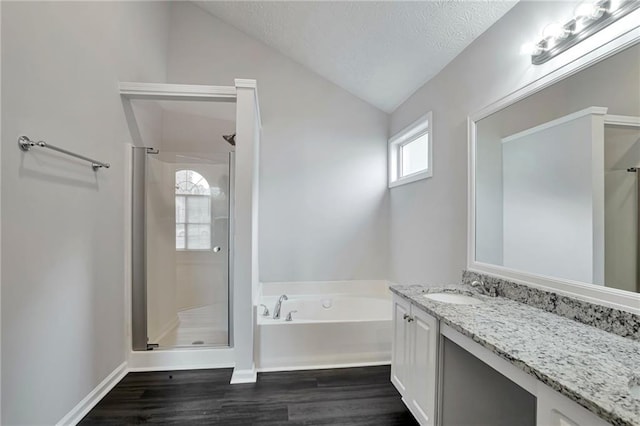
x=586 y=364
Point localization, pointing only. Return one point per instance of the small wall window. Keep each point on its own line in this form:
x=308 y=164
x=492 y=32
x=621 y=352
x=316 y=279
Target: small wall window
x=410 y=153
x=193 y=211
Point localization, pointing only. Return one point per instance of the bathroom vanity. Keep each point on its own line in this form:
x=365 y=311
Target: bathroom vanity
x=579 y=374
x=554 y=233
x=553 y=220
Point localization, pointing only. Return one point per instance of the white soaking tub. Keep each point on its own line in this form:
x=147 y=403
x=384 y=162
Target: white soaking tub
x=337 y=324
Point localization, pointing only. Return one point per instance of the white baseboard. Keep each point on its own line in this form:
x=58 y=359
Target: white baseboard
x=323 y=366
x=244 y=376
x=76 y=414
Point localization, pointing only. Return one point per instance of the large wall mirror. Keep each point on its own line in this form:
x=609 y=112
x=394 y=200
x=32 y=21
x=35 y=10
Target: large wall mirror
x=557 y=180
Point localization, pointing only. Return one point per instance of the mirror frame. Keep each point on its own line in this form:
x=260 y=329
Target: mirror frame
x=619 y=36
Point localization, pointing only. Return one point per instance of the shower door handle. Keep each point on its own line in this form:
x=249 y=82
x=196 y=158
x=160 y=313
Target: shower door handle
x=216 y=249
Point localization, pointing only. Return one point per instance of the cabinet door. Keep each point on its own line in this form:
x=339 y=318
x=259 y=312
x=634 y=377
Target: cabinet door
x=400 y=350
x=424 y=377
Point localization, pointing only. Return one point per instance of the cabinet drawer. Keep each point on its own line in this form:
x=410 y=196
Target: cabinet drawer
x=555 y=409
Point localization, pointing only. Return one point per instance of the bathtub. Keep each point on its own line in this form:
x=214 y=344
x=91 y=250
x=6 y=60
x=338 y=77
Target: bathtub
x=334 y=324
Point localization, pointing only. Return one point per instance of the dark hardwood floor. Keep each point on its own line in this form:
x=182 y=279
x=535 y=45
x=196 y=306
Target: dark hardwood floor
x=349 y=396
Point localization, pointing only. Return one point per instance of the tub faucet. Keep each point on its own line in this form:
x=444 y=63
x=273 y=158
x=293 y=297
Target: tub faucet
x=276 y=310
x=265 y=313
x=289 y=317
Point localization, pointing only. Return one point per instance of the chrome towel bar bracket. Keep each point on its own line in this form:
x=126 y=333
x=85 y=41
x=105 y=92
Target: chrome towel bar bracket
x=26 y=144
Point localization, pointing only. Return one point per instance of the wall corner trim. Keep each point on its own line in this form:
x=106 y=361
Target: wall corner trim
x=244 y=376
x=244 y=83
x=77 y=413
x=594 y=110
x=622 y=120
x=176 y=92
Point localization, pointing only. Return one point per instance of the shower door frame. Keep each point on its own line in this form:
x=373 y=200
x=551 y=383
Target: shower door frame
x=139 y=284
x=136 y=309
x=139 y=335
x=171 y=92
x=244 y=184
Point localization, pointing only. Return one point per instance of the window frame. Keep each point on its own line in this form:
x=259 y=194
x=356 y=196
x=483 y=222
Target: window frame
x=186 y=224
x=419 y=128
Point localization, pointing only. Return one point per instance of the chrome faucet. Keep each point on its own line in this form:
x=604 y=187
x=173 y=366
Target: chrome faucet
x=265 y=313
x=276 y=310
x=483 y=288
x=289 y=317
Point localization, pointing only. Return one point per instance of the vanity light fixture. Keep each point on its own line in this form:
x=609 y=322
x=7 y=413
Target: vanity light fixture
x=590 y=17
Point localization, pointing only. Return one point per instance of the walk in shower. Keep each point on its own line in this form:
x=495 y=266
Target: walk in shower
x=181 y=206
x=193 y=225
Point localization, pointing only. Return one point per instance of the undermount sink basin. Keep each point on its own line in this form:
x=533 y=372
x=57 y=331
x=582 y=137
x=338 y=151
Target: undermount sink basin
x=454 y=298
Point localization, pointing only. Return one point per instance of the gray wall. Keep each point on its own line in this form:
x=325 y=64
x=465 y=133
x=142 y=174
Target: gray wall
x=428 y=217
x=323 y=198
x=62 y=224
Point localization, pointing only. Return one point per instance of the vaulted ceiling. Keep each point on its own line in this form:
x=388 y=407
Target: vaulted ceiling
x=379 y=51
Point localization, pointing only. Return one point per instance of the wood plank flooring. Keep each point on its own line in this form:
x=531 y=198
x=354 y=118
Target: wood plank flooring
x=348 y=396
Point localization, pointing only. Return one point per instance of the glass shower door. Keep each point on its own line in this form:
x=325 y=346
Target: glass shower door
x=186 y=224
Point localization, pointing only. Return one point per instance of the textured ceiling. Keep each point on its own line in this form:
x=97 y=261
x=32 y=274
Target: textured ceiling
x=379 y=51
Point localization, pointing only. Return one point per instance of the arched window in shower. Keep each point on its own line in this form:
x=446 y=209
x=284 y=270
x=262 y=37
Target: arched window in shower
x=180 y=271
x=193 y=211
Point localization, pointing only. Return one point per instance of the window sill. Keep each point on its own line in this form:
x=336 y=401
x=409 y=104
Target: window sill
x=411 y=178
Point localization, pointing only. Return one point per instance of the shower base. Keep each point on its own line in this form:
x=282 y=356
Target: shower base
x=196 y=328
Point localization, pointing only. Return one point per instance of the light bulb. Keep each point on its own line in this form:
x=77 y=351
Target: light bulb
x=555 y=30
x=530 y=49
x=584 y=10
x=589 y=10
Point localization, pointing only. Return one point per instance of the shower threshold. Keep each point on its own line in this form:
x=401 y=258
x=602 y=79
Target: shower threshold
x=197 y=327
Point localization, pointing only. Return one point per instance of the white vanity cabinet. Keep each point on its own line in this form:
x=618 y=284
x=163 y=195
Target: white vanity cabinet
x=414 y=359
x=414 y=371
